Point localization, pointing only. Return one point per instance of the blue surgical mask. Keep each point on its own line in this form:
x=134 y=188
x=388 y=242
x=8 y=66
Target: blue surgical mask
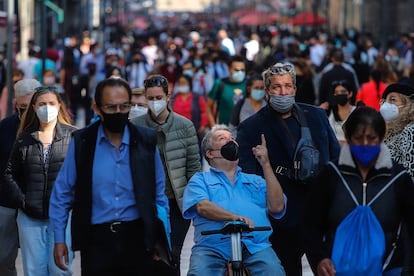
x=188 y=72
x=281 y=104
x=257 y=94
x=197 y=62
x=365 y=154
x=238 y=76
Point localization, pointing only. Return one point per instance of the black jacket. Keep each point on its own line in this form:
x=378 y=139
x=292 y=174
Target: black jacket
x=8 y=130
x=267 y=121
x=27 y=179
x=329 y=203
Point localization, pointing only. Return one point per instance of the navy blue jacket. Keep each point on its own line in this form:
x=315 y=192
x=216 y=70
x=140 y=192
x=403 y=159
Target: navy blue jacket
x=268 y=122
x=8 y=130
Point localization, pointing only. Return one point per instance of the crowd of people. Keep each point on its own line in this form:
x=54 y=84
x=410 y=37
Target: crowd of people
x=123 y=188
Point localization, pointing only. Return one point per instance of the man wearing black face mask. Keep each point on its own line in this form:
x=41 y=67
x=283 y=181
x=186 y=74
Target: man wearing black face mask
x=280 y=123
x=137 y=70
x=23 y=92
x=112 y=179
x=225 y=194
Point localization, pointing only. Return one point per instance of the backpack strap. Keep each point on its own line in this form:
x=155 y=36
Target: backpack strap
x=304 y=128
x=220 y=90
x=394 y=247
x=344 y=182
x=386 y=186
x=195 y=111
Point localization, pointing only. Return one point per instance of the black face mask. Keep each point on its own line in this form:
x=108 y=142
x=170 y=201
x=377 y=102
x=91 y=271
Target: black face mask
x=115 y=122
x=341 y=99
x=230 y=151
x=20 y=111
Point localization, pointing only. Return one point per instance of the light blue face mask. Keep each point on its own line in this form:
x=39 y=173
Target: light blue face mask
x=257 y=94
x=197 y=62
x=238 y=76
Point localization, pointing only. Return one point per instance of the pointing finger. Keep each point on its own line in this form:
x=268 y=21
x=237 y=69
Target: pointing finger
x=263 y=140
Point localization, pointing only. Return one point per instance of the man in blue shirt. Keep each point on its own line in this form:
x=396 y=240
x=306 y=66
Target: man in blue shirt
x=112 y=180
x=227 y=194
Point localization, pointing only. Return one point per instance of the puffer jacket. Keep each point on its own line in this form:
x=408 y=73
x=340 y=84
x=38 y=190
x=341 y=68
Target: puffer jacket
x=179 y=150
x=330 y=202
x=26 y=178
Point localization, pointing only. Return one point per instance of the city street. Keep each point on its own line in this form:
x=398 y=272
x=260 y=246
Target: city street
x=185 y=257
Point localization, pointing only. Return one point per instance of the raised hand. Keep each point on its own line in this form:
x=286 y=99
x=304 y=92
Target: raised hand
x=260 y=152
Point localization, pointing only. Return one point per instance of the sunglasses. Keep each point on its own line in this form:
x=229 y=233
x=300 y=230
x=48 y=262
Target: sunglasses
x=339 y=82
x=281 y=69
x=156 y=81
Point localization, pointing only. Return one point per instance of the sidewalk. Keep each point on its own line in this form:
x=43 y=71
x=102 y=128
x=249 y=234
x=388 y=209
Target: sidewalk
x=185 y=258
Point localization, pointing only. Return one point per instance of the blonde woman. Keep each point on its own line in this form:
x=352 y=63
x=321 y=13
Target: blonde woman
x=36 y=158
x=397 y=108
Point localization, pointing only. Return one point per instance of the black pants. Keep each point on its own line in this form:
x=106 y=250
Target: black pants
x=115 y=250
x=288 y=244
x=179 y=228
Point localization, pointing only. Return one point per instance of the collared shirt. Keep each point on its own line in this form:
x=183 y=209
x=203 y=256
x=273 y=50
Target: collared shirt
x=112 y=187
x=246 y=197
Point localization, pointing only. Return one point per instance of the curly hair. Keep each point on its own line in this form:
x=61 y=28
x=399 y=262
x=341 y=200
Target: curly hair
x=406 y=114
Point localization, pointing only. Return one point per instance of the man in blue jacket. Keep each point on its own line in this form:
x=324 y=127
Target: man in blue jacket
x=279 y=122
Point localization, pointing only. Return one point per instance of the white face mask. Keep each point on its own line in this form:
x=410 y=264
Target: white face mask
x=47 y=113
x=137 y=111
x=389 y=111
x=157 y=106
x=49 y=80
x=183 y=89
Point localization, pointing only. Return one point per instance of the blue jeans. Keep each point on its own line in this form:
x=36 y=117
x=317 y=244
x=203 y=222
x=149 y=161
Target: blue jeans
x=37 y=244
x=9 y=241
x=206 y=262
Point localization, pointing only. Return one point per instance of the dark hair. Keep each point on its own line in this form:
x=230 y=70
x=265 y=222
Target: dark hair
x=364 y=117
x=253 y=77
x=235 y=59
x=343 y=83
x=157 y=81
x=189 y=80
x=111 y=82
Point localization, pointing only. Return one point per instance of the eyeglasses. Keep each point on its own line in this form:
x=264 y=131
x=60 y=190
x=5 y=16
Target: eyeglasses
x=156 y=81
x=113 y=108
x=339 y=82
x=281 y=69
x=43 y=89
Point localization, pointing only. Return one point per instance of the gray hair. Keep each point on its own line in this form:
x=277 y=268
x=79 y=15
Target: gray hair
x=267 y=74
x=206 y=143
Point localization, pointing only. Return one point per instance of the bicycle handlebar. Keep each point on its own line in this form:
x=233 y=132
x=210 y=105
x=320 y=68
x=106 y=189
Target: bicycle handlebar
x=235 y=227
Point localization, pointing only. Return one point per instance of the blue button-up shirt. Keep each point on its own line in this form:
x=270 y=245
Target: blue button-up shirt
x=112 y=187
x=246 y=197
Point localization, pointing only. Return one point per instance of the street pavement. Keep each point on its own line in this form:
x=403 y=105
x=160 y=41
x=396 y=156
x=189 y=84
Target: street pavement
x=185 y=258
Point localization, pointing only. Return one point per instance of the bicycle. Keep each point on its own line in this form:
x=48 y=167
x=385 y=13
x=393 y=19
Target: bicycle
x=235 y=230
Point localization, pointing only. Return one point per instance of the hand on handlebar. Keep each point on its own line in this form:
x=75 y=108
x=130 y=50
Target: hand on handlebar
x=246 y=220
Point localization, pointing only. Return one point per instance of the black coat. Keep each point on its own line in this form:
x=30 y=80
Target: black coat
x=8 y=130
x=26 y=177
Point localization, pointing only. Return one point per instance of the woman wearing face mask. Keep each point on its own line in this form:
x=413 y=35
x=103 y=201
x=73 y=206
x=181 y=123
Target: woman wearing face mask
x=190 y=105
x=363 y=171
x=178 y=145
x=250 y=104
x=397 y=108
x=139 y=105
x=36 y=158
x=341 y=108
